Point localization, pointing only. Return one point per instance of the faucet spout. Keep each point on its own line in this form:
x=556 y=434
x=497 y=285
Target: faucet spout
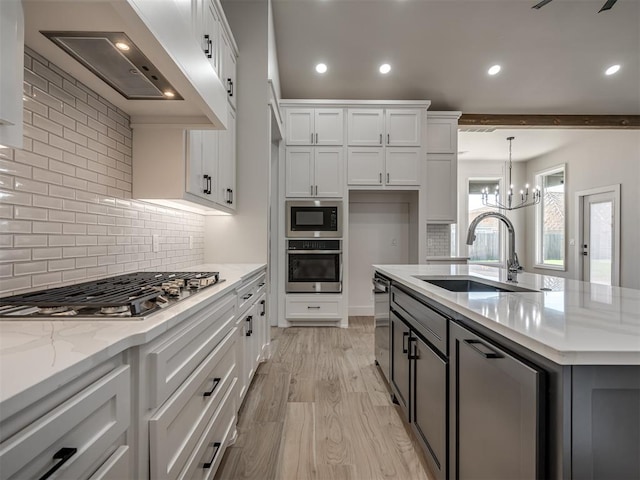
x=513 y=265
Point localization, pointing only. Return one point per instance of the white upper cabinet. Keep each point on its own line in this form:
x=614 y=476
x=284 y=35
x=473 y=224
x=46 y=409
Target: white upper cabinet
x=211 y=35
x=314 y=172
x=202 y=164
x=229 y=68
x=403 y=127
x=227 y=164
x=442 y=133
x=380 y=167
x=365 y=127
x=314 y=126
x=394 y=127
x=11 y=73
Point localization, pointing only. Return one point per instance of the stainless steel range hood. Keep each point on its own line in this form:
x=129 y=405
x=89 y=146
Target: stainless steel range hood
x=114 y=58
x=81 y=41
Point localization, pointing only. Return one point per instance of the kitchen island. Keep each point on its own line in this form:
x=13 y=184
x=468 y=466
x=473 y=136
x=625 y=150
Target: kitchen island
x=92 y=398
x=539 y=383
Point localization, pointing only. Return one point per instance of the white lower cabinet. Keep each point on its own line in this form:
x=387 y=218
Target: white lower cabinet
x=117 y=467
x=77 y=438
x=176 y=428
x=315 y=306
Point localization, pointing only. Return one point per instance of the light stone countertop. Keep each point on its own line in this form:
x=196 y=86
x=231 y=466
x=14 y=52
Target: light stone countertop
x=38 y=355
x=576 y=323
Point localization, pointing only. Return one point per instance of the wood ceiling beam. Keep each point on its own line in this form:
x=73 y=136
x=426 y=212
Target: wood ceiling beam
x=550 y=121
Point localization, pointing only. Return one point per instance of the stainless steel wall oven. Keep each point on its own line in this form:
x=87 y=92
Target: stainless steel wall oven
x=314 y=266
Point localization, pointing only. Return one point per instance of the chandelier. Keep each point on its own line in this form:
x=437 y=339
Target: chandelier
x=509 y=202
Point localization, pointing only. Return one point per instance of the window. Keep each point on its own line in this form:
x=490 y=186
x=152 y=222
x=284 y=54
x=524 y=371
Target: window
x=487 y=247
x=551 y=219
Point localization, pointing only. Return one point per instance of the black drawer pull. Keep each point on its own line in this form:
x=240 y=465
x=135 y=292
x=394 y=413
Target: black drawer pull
x=250 y=320
x=405 y=335
x=216 y=382
x=216 y=449
x=488 y=353
x=260 y=285
x=264 y=308
x=247 y=296
x=63 y=455
x=310 y=307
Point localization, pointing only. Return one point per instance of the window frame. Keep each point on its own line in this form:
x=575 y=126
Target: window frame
x=539 y=216
x=501 y=228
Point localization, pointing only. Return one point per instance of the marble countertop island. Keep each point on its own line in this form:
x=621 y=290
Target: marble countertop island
x=37 y=355
x=569 y=322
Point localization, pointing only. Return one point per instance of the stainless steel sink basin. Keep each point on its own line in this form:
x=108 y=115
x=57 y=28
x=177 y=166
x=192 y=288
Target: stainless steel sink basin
x=466 y=284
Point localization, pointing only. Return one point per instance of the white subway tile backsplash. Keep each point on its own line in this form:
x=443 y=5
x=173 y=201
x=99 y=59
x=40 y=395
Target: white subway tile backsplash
x=66 y=214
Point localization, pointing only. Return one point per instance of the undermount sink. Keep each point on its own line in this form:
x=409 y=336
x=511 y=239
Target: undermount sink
x=467 y=285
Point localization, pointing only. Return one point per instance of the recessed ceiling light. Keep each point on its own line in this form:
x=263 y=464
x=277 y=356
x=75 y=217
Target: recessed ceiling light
x=612 y=69
x=122 y=46
x=321 y=68
x=494 y=70
x=385 y=68
x=169 y=94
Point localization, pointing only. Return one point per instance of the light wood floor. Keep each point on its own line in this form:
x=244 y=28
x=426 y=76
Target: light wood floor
x=319 y=410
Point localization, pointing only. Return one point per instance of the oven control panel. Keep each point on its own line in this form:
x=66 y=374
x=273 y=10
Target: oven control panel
x=314 y=245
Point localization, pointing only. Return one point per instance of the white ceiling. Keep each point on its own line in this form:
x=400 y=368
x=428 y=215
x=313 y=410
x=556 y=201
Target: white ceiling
x=552 y=59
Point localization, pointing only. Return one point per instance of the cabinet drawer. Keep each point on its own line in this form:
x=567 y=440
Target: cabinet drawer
x=249 y=291
x=116 y=467
x=430 y=323
x=90 y=422
x=175 y=429
x=318 y=307
x=175 y=358
x=207 y=455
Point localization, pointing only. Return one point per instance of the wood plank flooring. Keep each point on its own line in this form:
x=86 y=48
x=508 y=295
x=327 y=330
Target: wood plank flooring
x=319 y=410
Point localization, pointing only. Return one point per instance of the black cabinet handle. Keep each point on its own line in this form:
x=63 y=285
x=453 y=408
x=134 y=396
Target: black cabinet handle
x=388 y=139
x=231 y=195
x=216 y=449
x=206 y=183
x=216 y=382
x=228 y=195
x=63 y=455
x=316 y=138
x=388 y=178
x=264 y=308
x=261 y=284
x=309 y=307
x=250 y=330
x=482 y=349
x=413 y=341
x=209 y=50
x=209 y=184
x=380 y=139
x=247 y=296
x=405 y=335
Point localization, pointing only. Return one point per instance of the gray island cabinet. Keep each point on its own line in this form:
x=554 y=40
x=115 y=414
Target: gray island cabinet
x=517 y=385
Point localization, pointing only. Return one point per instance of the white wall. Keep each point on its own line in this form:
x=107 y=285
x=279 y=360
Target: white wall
x=272 y=68
x=597 y=158
x=379 y=233
x=243 y=237
x=477 y=169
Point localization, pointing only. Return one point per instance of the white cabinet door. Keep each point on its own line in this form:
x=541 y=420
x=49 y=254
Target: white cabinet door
x=12 y=72
x=328 y=172
x=196 y=182
x=211 y=38
x=299 y=171
x=329 y=126
x=229 y=67
x=442 y=201
x=442 y=135
x=300 y=128
x=365 y=166
x=365 y=127
x=403 y=127
x=227 y=164
x=403 y=166
x=210 y=157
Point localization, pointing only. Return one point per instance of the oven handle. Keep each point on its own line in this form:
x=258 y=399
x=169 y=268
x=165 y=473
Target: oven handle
x=293 y=252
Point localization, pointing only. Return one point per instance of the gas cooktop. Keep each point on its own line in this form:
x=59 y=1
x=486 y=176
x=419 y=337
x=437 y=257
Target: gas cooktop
x=124 y=296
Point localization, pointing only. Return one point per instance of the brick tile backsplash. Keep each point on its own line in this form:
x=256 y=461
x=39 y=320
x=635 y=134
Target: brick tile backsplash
x=66 y=213
x=438 y=240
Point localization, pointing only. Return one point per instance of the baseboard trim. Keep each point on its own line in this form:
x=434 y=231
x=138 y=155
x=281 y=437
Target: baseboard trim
x=361 y=311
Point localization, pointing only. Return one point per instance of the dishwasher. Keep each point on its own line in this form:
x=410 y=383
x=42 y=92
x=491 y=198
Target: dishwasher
x=381 y=317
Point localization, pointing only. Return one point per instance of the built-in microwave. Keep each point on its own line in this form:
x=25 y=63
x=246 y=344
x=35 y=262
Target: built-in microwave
x=314 y=218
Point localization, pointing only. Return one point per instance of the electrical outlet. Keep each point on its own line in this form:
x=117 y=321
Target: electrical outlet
x=156 y=243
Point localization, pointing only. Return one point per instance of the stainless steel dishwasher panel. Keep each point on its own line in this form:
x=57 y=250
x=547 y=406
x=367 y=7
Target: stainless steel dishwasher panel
x=382 y=325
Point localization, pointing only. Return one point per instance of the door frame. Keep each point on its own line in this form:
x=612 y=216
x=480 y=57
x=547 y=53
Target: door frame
x=579 y=225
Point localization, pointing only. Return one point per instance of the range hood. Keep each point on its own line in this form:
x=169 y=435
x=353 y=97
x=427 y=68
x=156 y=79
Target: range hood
x=113 y=57
x=80 y=37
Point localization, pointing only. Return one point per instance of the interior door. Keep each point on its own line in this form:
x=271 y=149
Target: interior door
x=598 y=246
